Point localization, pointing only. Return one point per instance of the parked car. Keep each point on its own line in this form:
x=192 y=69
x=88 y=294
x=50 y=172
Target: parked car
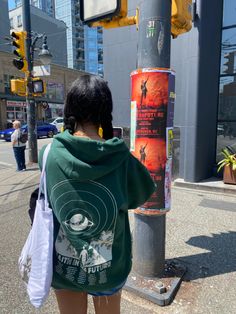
x=43 y=129
x=58 y=122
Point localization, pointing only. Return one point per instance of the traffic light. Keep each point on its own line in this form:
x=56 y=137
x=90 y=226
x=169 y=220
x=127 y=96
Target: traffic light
x=19 y=50
x=229 y=63
x=181 y=17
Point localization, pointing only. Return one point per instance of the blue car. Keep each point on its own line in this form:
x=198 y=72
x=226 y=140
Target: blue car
x=43 y=129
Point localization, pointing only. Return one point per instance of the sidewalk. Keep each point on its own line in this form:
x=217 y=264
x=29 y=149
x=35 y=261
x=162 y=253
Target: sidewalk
x=201 y=234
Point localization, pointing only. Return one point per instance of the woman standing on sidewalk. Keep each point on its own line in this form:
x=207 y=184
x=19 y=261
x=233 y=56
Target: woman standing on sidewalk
x=18 y=146
x=91 y=184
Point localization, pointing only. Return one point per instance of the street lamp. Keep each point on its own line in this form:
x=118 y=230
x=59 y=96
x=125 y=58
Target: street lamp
x=44 y=55
x=30 y=47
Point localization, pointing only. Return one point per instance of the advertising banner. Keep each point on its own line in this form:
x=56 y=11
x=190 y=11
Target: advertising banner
x=152 y=114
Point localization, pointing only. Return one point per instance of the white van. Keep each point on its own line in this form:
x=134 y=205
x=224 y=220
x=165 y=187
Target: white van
x=58 y=122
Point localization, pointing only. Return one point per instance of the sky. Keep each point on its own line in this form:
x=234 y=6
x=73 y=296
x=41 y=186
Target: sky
x=11 y=4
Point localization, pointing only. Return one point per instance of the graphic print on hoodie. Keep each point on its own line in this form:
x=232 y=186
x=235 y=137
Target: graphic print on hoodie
x=88 y=212
x=91 y=185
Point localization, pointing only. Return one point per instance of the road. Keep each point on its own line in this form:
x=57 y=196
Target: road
x=6 y=154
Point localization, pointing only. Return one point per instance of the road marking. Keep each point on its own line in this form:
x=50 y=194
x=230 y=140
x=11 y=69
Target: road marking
x=5 y=164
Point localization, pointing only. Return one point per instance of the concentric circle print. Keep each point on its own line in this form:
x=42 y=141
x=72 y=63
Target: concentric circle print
x=85 y=209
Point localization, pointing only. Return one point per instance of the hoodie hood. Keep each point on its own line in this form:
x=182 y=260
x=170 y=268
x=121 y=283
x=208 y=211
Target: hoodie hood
x=86 y=159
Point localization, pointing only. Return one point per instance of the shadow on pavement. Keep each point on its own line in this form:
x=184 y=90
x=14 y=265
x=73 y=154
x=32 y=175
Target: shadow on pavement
x=26 y=187
x=219 y=260
x=32 y=169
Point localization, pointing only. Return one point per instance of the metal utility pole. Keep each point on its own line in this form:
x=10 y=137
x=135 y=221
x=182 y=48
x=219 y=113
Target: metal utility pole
x=153 y=53
x=31 y=116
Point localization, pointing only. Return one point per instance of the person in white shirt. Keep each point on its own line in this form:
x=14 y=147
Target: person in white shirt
x=18 y=146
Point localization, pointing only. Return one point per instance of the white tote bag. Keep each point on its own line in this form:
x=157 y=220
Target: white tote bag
x=35 y=262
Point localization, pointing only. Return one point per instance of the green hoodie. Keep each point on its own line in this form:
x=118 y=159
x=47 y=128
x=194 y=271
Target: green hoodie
x=91 y=185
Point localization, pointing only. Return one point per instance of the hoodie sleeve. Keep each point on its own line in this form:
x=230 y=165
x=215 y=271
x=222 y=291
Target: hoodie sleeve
x=140 y=185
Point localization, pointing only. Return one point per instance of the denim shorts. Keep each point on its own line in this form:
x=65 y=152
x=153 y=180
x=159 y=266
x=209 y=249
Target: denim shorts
x=108 y=292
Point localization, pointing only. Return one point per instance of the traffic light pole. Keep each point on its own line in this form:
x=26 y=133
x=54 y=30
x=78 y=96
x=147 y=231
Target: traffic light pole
x=154 y=30
x=152 y=113
x=31 y=114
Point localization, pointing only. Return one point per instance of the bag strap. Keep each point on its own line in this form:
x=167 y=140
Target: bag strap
x=18 y=138
x=42 y=184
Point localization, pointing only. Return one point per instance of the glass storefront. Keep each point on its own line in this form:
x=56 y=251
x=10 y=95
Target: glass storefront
x=226 y=127
x=54 y=111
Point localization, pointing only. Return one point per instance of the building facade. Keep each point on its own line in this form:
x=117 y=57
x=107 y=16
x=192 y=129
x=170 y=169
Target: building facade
x=46 y=6
x=84 y=44
x=50 y=106
x=204 y=62
x=4 y=25
x=42 y=23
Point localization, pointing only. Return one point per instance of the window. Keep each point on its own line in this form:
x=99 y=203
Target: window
x=226 y=127
x=18 y=3
x=7 y=82
x=16 y=110
x=11 y=23
x=229 y=12
x=19 y=21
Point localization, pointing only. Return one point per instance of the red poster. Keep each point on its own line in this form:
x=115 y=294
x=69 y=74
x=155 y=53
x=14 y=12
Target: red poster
x=151 y=94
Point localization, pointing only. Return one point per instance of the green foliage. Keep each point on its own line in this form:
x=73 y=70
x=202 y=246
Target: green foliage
x=229 y=160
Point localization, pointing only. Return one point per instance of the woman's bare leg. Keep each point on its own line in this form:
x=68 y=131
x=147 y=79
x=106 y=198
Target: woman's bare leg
x=107 y=304
x=71 y=302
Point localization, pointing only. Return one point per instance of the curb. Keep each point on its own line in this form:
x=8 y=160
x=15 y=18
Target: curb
x=211 y=185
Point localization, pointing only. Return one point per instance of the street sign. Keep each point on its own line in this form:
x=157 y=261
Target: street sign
x=42 y=70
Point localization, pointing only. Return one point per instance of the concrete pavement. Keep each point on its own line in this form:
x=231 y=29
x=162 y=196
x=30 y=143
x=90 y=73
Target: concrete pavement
x=201 y=234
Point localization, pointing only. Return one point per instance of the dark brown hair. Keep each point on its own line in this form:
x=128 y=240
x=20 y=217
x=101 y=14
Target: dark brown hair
x=89 y=100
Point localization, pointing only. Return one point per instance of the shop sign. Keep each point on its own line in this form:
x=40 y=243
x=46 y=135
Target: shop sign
x=11 y=103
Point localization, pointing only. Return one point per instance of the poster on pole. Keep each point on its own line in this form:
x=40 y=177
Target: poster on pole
x=151 y=91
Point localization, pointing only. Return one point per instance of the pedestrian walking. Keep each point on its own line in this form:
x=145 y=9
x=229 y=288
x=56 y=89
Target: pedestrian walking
x=18 y=146
x=91 y=184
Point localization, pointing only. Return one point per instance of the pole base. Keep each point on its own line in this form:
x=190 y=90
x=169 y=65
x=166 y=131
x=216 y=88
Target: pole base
x=160 y=291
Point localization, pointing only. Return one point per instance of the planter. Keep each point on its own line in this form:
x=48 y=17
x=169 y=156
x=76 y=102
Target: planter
x=229 y=175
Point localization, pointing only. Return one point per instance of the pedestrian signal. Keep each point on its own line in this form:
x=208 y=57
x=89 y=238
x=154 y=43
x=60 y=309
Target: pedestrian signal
x=106 y=13
x=18 y=41
x=38 y=86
